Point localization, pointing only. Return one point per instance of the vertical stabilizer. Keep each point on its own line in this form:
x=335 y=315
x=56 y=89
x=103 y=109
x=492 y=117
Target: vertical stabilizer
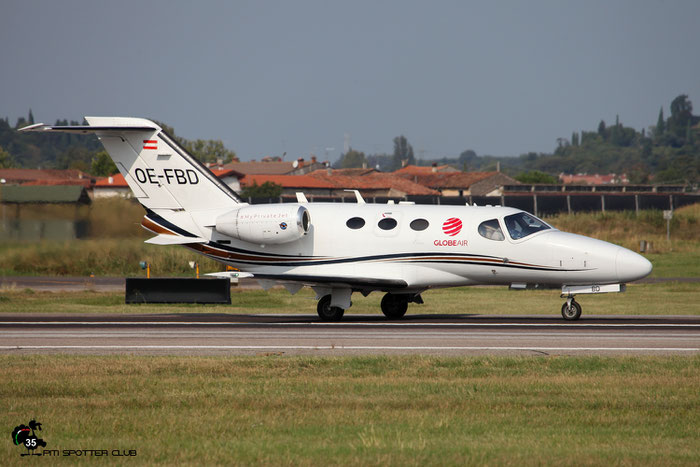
x=161 y=173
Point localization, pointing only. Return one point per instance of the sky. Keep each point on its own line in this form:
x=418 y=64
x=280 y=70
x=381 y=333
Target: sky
x=273 y=77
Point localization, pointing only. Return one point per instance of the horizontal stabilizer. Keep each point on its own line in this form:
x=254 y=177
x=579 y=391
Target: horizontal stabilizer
x=233 y=275
x=86 y=129
x=167 y=239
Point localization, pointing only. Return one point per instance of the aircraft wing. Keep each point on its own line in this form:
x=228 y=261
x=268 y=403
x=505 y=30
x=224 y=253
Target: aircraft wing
x=364 y=283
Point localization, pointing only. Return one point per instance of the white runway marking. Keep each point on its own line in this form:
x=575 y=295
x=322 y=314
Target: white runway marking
x=336 y=335
x=337 y=347
x=348 y=324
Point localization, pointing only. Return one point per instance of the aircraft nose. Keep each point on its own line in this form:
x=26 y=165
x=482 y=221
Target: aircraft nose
x=630 y=266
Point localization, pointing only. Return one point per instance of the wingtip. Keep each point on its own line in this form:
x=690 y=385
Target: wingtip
x=35 y=127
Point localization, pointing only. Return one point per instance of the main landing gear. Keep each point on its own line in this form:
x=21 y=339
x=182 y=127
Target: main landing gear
x=394 y=306
x=327 y=312
x=571 y=310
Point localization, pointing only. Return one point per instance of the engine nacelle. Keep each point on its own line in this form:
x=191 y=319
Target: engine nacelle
x=266 y=224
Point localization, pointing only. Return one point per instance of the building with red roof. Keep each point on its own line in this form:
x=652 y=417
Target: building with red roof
x=425 y=170
x=333 y=183
x=270 y=166
x=461 y=183
x=112 y=186
x=594 y=179
x=42 y=176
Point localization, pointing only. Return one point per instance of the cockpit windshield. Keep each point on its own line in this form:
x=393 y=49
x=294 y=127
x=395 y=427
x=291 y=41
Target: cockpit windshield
x=523 y=224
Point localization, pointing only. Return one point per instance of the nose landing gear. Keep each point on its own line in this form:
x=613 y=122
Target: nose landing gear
x=571 y=310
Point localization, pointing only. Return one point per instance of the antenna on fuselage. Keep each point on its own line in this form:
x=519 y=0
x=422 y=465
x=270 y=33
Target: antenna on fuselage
x=358 y=196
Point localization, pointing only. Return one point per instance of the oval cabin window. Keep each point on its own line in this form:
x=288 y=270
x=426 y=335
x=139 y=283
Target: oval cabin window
x=355 y=223
x=419 y=224
x=387 y=223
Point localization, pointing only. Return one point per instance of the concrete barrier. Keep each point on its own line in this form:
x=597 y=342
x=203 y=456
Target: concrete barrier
x=177 y=290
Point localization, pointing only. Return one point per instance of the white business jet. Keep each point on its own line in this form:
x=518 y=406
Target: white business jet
x=337 y=249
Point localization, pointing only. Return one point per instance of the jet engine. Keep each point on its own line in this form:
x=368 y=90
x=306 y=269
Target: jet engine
x=266 y=224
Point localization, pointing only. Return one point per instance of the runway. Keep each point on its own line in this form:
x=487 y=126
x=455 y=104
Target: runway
x=229 y=334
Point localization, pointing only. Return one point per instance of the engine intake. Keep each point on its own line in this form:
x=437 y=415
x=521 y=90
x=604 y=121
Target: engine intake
x=281 y=223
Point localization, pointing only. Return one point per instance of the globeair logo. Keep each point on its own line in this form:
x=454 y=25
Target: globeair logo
x=452 y=226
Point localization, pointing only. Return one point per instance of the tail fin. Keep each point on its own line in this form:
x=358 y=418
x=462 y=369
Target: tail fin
x=161 y=173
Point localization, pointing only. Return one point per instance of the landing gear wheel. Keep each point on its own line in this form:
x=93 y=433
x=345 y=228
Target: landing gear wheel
x=394 y=306
x=327 y=312
x=571 y=311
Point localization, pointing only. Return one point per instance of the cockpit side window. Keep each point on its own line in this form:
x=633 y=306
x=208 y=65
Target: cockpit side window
x=523 y=224
x=491 y=229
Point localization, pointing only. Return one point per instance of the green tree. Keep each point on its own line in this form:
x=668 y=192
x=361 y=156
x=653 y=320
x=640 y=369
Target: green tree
x=467 y=159
x=681 y=115
x=75 y=157
x=574 y=138
x=103 y=165
x=601 y=128
x=353 y=159
x=403 y=153
x=6 y=159
x=204 y=150
x=381 y=162
x=660 y=125
x=266 y=190
x=210 y=150
x=536 y=176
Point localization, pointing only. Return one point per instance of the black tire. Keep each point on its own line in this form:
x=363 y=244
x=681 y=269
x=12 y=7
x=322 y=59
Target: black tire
x=327 y=312
x=571 y=313
x=394 y=306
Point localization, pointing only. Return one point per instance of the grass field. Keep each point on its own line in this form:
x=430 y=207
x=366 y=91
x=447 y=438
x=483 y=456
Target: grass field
x=669 y=298
x=412 y=410
x=360 y=410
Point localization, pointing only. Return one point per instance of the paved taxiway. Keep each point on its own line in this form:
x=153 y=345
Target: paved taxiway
x=208 y=334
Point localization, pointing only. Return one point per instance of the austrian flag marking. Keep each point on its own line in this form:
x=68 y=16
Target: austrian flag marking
x=150 y=144
x=452 y=226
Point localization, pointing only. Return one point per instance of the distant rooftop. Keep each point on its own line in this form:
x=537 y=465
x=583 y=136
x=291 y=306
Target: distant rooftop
x=594 y=179
x=20 y=176
x=425 y=169
x=273 y=167
x=350 y=179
